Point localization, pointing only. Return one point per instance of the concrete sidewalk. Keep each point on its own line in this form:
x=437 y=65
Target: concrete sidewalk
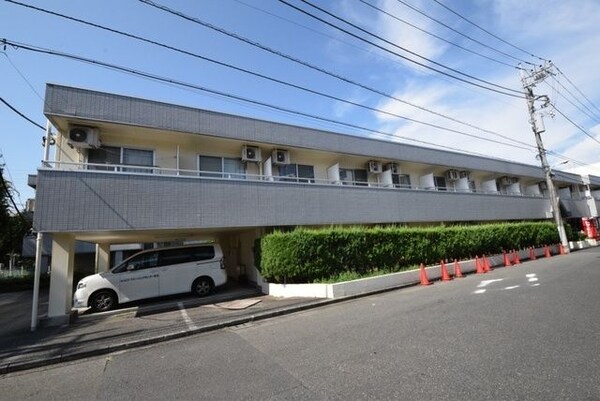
x=97 y=334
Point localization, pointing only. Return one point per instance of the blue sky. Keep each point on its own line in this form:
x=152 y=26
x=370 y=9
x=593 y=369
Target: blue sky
x=565 y=32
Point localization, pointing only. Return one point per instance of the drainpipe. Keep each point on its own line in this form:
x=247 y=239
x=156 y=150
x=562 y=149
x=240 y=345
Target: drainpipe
x=39 y=242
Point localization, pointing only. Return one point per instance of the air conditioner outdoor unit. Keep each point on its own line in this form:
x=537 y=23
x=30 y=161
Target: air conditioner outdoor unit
x=83 y=137
x=452 y=175
x=374 y=167
x=280 y=156
x=394 y=167
x=250 y=153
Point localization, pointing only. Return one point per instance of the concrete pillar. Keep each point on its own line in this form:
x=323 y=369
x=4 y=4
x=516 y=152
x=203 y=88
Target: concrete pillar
x=102 y=257
x=61 y=279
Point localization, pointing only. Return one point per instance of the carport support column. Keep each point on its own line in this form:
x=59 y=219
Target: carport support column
x=61 y=279
x=102 y=257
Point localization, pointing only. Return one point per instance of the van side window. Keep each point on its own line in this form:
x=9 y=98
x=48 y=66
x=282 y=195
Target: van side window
x=143 y=261
x=175 y=256
x=203 y=253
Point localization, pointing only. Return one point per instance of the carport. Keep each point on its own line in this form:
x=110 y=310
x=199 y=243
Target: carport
x=237 y=245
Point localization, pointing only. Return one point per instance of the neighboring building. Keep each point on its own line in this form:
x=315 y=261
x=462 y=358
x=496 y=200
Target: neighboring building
x=130 y=170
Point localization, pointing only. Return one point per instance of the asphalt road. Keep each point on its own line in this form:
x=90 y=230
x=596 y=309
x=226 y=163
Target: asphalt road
x=530 y=332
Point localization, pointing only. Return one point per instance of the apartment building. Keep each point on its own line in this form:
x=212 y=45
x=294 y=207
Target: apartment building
x=129 y=170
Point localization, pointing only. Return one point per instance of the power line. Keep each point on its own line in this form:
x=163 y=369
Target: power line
x=423 y=13
x=576 y=125
x=21 y=114
x=184 y=85
x=578 y=107
x=486 y=31
x=224 y=94
x=259 y=75
x=436 y=36
x=22 y=76
x=376 y=54
x=576 y=88
x=317 y=68
x=403 y=49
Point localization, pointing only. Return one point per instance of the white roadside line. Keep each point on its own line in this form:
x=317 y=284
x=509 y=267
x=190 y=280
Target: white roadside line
x=186 y=317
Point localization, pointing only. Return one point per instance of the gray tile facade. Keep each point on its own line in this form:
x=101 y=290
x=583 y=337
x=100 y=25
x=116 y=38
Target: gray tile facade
x=71 y=201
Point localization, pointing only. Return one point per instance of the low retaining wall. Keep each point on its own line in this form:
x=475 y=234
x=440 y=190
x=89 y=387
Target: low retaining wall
x=393 y=280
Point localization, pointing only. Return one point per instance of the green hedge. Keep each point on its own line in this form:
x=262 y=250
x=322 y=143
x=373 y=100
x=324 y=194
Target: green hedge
x=308 y=255
x=23 y=283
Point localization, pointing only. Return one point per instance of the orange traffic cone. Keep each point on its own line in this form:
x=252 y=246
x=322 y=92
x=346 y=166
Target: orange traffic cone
x=505 y=257
x=532 y=254
x=486 y=264
x=445 y=275
x=457 y=272
x=479 y=266
x=424 y=279
x=561 y=249
x=516 y=260
x=547 y=252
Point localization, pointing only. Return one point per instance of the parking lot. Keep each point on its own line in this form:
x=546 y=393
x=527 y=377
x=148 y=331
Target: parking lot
x=133 y=325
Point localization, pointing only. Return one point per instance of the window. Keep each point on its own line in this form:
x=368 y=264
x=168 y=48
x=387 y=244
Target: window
x=221 y=167
x=104 y=155
x=210 y=166
x=203 y=253
x=440 y=183
x=116 y=156
x=401 y=180
x=175 y=256
x=353 y=176
x=138 y=262
x=296 y=173
x=137 y=157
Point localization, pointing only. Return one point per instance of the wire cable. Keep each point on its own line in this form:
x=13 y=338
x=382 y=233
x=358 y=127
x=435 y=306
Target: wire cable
x=385 y=56
x=587 y=112
x=423 y=13
x=21 y=114
x=577 y=125
x=436 y=36
x=406 y=50
x=259 y=75
x=317 y=68
x=170 y=81
x=576 y=88
x=488 y=32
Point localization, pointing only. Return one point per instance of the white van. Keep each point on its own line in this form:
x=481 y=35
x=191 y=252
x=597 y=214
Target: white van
x=153 y=273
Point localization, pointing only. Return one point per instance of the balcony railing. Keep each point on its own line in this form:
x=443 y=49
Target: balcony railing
x=236 y=176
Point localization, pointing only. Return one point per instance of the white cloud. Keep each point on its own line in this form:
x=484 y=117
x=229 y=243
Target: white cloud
x=559 y=30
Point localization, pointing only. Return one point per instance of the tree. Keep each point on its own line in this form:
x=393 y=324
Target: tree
x=13 y=225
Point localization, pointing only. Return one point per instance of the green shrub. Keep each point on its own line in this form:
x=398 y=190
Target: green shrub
x=21 y=283
x=309 y=255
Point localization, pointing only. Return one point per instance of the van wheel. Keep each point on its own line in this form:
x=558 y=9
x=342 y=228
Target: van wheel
x=202 y=286
x=103 y=301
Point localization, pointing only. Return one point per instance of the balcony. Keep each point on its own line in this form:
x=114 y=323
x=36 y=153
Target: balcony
x=74 y=197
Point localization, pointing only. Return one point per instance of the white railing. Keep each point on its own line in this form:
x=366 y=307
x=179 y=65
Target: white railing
x=212 y=175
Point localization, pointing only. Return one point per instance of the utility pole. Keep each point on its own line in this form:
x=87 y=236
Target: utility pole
x=529 y=82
